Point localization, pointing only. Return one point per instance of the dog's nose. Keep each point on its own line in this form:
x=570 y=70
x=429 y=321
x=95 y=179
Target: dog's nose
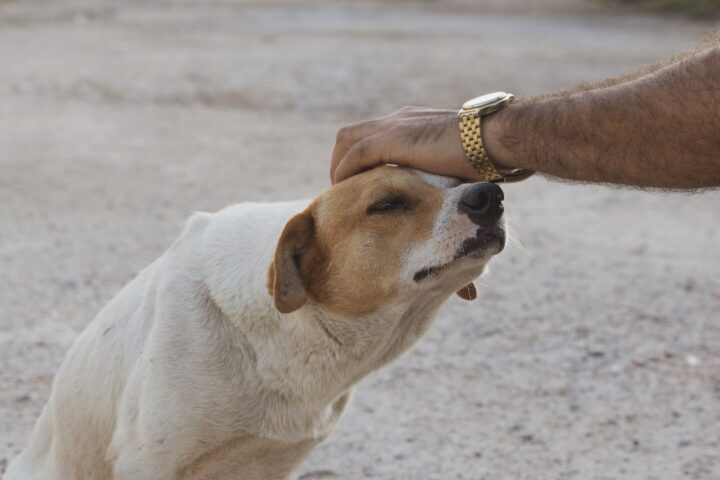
x=482 y=202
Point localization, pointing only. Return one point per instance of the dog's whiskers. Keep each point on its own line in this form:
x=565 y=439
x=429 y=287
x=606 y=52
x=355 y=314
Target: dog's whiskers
x=514 y=240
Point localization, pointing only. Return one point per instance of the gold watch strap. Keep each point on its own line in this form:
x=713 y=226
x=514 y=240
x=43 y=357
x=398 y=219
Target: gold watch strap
x=473 y=146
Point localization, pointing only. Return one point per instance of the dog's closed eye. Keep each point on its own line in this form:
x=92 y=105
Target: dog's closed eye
x=387 y=205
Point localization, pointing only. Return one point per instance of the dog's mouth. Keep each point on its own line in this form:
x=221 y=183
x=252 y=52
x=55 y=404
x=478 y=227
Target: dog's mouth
x=473 y=247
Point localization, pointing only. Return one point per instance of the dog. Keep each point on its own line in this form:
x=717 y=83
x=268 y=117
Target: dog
x=236 y=352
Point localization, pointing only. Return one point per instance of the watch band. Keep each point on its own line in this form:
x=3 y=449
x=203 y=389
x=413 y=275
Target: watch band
x=470 y=117
x=472 y=144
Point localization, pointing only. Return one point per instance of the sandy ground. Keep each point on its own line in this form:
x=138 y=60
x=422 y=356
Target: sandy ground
x=595 y=355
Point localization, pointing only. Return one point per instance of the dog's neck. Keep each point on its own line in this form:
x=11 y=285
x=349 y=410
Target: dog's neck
x=311 y=359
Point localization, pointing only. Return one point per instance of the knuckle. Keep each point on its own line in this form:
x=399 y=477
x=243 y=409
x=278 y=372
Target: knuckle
x=350 y=133
x=343 y=134
x=359 y=150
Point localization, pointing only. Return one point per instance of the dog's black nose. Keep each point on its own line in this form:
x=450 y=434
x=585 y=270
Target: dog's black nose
x=482 y=202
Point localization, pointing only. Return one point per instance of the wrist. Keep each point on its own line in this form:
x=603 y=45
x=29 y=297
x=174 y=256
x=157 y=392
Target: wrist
x=494 y=128
x=494 y=162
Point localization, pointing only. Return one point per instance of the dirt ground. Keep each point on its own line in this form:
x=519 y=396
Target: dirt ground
x=594 y=354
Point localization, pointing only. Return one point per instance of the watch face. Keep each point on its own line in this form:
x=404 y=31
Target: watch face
x=484 y=100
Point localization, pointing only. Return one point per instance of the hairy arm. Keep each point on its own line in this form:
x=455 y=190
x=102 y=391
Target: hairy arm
x=657 y=128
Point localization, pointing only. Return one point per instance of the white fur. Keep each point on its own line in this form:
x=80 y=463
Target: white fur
x=190 y=364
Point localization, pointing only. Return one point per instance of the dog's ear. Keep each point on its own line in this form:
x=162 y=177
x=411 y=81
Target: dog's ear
x=285 y=278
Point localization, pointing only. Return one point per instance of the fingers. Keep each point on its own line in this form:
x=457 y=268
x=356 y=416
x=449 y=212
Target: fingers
x=351 y=134
x=419 y=137
x=365 y=154
x=348 y=136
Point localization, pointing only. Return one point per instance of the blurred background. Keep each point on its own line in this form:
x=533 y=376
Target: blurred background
x=594 y=354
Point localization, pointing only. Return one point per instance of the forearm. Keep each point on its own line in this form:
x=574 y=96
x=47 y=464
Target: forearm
x=659 y=130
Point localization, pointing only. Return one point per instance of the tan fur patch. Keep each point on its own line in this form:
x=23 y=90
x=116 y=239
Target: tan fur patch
x=352 y=264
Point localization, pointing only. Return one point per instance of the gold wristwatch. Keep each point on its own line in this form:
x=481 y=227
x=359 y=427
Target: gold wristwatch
x=470 y=116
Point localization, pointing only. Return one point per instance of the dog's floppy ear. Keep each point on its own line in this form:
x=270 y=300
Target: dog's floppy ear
x=285 y=279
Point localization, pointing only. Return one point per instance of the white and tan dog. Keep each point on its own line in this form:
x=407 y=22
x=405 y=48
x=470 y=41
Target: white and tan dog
x=194 y=371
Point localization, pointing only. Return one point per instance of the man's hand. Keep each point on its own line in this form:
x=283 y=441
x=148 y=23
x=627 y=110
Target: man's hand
x=421 y=138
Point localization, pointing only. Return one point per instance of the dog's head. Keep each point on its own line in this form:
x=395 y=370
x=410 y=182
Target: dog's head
x=390 y=234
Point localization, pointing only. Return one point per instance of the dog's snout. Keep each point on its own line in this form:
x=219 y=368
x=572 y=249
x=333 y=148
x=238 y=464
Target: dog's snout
x=482 y=202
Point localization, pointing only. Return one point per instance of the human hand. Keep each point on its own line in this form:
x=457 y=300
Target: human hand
x=421 y=138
